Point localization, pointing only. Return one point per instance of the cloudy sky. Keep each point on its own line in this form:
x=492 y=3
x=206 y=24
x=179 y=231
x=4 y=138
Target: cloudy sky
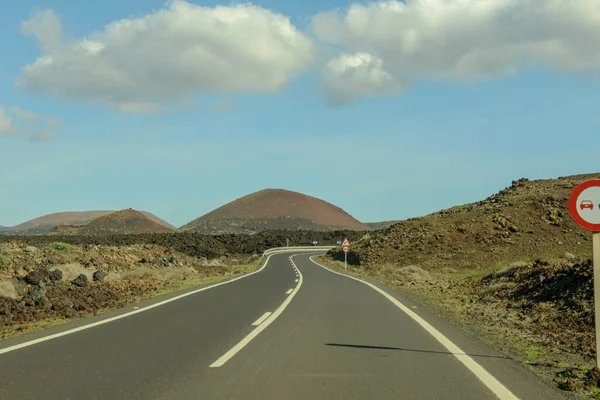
x=388 y=109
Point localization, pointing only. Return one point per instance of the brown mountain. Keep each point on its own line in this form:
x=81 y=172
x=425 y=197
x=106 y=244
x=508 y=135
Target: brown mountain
x=529 y=219
x=273 y=209
x=122 y=222
x=49 y=222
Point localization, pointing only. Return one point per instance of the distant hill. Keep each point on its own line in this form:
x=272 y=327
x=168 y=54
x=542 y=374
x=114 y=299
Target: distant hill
x=122 y=222
x=381 y=225
x=47 y=223
x=274 y=209
x=529 y=219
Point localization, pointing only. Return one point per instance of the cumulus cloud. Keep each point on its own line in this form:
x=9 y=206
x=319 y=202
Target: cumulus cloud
x=455 y=40
x=350 y=76
x=143 y=64
x=5 y=122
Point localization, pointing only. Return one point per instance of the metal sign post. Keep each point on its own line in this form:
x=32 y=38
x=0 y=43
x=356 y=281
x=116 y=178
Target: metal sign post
x=346 y=248
x=584 y=206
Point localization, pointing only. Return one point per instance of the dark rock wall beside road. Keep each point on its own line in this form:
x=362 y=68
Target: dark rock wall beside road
x=199 y=245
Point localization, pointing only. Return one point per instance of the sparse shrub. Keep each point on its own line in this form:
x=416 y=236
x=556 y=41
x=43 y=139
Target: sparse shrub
x=61 y=246
x=366 y=238
x=4 y=262
x=412 y=273
x=504 y=271
x=495 y=287
x=569 y=256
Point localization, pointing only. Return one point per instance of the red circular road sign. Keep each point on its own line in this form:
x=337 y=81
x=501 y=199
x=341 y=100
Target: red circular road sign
x=584 y=205
x=346 y=249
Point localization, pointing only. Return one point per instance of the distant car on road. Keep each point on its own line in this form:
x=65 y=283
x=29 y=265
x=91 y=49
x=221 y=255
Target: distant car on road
x=586 y=204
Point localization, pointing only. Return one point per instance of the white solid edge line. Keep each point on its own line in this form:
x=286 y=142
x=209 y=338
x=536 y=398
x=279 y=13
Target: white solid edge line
x=262 y=319
x=485 y=377
x=128 y=314
x=289 y=291
x=235 y=349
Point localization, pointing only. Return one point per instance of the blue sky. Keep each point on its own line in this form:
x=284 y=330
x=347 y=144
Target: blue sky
x=365 y=107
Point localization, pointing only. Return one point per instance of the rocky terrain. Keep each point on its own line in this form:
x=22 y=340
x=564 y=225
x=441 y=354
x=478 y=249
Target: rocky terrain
x=195 y=244
x=527 y=220
x=513 y=269
x=126 y=222
x=52 y=283
x=45 y=279
x=50 y=222
x=274 y=209
x=380 y=225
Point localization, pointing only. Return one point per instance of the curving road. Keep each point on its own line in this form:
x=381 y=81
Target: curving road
x=293 y=330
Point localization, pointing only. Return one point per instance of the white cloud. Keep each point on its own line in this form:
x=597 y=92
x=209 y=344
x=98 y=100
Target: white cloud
x=350 y=76
x=142 y=64
x=25 y=114
x=37 y=127
x=5 y=122
x=457 y=40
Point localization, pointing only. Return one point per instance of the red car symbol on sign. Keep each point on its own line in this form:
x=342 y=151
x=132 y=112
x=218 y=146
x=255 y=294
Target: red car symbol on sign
x=586 y=204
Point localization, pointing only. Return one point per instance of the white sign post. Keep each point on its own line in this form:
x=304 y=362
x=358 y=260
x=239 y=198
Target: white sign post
x=584 y=206
x=346 y=248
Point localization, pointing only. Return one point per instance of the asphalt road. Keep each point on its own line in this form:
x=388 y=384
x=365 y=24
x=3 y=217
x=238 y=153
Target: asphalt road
x=327 y=337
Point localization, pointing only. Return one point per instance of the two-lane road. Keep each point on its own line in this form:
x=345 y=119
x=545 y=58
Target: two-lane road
x=294 y=330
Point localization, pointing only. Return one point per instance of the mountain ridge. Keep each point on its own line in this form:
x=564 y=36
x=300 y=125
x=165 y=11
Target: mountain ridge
x=274 y=209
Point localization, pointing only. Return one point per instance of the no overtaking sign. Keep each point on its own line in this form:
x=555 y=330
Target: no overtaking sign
x=584 y=205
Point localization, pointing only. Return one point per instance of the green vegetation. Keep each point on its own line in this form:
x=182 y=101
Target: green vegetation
x=244 y=269
x=61 y=246
x=4 y=262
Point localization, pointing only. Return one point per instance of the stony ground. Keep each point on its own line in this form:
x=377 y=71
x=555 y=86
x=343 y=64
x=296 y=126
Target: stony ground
x=53 y=283
x=194 y=244
x=525 y=221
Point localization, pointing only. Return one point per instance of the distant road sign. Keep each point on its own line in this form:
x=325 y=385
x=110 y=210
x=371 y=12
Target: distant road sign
x=584 y=205
x=315 y=242
x=346 y=249
x=346 y=242
x=339 y=242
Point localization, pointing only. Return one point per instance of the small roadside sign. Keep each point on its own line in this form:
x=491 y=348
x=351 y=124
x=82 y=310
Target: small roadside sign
x=339 y=242
x=346 y=248
x=584 y=206
x=315 y=242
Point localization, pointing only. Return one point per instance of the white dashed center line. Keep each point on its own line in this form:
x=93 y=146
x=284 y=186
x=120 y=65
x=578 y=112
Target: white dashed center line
x=262 y=319
x=289 y=291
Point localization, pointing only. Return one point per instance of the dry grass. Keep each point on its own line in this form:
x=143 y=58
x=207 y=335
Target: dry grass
x=504 y=271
